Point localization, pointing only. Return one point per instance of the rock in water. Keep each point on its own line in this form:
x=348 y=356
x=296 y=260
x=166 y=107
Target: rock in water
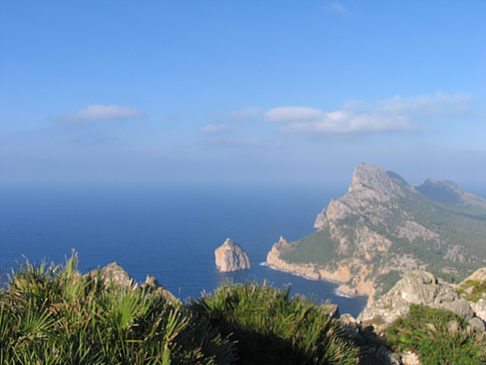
x=231 y=257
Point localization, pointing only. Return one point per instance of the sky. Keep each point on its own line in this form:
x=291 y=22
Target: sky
x=241 y=92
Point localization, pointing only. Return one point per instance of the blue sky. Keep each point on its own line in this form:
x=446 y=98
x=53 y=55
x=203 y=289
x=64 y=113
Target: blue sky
x=278 y=92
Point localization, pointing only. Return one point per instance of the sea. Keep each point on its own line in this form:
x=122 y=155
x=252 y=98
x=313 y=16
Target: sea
x=170 y=232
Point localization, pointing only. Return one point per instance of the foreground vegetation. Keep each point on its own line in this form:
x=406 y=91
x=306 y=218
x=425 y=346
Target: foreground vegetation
x=438 y=336
x=270 y=327
x=54 y=315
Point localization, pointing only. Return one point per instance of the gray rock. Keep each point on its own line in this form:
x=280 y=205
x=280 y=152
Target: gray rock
x=416 y=287
x=479 y=302
x=479 y=308
x=113 y=273
x=152 y=284
x=231 y=257
x=477 y=323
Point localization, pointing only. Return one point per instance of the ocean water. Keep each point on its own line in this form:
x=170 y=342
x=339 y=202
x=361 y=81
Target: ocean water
x=168 y=232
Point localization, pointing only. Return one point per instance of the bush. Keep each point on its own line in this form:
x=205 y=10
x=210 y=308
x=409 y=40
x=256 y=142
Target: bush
x=270 y=327
x=438 y=336
x=53 y=315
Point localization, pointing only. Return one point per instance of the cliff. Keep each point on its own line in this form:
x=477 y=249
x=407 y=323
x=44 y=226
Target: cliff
x=384 y=227
x=231 y=257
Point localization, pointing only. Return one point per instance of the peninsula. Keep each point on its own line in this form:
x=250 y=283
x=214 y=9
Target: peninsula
x=384 y=227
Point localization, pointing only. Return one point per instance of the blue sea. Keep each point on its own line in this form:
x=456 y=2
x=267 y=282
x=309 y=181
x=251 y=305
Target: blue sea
x=170 y=232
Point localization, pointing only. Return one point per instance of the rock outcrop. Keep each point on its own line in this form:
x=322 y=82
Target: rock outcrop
x=115 y=274
x=231 y=257
x=417 y=287
x=473 y=289
x=152 y=284
x=384 y=227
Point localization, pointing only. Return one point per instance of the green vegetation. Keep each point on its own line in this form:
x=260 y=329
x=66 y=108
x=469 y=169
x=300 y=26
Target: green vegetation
x=459 y=225
x=386 y=281
x=270 y=327
x=438 y=337
x=53 y=315
x=316 y=248
x=472 y=290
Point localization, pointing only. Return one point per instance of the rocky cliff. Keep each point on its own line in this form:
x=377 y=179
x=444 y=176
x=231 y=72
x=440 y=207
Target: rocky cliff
x=384 y=227
x=231 y=257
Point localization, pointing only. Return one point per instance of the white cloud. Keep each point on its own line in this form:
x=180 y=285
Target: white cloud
x=348 y=122
x=394 y=114
x=95 y=112
x=214 y=128
x=293 y=114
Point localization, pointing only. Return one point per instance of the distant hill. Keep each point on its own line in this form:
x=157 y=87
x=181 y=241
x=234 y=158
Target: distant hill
x=384 y=227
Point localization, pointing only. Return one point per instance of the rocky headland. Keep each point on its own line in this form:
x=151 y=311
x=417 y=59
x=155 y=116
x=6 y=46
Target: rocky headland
x=384 y=227
x=231 y=257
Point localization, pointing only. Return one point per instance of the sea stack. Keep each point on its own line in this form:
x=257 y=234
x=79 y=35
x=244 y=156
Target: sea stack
x=231 y=257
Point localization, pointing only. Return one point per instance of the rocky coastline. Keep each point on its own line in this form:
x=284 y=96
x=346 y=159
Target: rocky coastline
x=380 y=229
x=341 y=275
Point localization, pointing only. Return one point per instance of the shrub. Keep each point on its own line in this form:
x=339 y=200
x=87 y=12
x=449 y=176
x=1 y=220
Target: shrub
x=53 y=315
x=438 y=336
x=270 y=327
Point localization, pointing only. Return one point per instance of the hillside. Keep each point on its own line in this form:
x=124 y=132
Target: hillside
x=383 y=227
